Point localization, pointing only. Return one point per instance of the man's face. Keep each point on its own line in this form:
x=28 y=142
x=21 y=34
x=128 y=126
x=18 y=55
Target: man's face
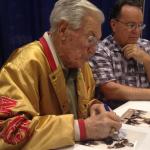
x=127 y=28
x=80 y=44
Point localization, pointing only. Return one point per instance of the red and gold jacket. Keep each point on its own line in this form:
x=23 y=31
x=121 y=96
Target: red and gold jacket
x=34 y=109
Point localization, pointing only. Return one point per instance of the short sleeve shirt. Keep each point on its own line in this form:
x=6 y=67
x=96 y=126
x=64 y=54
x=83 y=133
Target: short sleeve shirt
x=109 y=64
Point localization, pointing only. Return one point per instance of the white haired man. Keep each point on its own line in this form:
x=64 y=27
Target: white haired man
x=46 y=91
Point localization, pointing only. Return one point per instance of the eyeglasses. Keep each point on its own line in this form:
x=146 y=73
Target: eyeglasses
x=133 y=26
x=92 y=40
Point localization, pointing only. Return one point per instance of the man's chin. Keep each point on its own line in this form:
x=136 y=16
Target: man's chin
x=132 y=40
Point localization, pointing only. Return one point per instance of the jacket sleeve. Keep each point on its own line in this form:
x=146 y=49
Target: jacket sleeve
x=21 y=125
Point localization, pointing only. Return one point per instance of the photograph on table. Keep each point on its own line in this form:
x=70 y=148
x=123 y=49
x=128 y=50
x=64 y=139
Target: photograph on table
x=136 y=117
x=126 y=139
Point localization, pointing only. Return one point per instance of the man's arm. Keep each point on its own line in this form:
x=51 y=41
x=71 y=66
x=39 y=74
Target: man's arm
x=138 y=54
x=23 y=123
x=116 y=91
x=146 y=63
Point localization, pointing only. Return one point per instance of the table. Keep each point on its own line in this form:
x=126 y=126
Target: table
x=140 y=135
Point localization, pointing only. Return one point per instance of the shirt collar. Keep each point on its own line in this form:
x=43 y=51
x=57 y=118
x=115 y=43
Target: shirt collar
x=69 y=73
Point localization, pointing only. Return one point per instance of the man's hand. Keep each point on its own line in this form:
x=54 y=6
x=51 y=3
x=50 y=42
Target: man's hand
x=100 y=126
x=133 y=51
x=97 y=109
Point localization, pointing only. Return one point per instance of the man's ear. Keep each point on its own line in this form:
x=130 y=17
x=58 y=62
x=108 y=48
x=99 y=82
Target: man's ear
x=63 y=29
x=113 y=24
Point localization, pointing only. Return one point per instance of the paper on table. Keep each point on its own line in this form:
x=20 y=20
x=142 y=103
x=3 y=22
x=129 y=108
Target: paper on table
x=140 y=136
x=128 y=140
x=136 y=117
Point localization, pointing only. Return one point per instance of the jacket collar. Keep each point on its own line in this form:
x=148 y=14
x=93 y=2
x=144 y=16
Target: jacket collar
x=56 y=76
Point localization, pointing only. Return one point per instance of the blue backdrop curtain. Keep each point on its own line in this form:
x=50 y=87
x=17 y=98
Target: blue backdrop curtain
x=21 y=22
x=24 y=21
x=146 y=32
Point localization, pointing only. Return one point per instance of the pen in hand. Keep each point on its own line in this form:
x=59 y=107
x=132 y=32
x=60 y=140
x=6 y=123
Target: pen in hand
x=113 y=130
x=106 y=107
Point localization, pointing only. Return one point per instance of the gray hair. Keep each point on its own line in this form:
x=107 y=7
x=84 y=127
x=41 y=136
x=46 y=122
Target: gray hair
x=71 y=11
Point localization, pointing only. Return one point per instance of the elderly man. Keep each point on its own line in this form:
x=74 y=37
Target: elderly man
x=47 y=89
x=121 y=63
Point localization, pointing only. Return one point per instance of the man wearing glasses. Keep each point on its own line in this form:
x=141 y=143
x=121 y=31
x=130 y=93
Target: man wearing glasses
x=121 y=64
x=47 y=88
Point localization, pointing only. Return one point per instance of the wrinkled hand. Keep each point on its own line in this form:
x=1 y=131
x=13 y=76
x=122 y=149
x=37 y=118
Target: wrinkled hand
x=100 y=126
x=133 y=51
x=97 y=109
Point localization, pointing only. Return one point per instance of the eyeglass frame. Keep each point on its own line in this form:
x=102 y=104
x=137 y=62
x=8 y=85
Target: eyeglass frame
x=132 y=25
x=92 y=40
